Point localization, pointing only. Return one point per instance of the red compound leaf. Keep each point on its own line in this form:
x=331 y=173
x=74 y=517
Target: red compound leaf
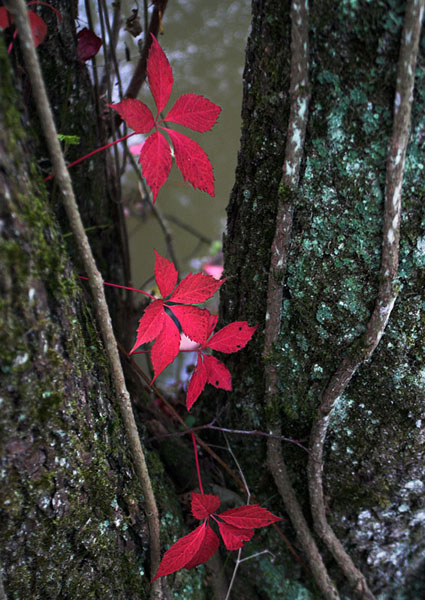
x=196 y=112
x=193 y=321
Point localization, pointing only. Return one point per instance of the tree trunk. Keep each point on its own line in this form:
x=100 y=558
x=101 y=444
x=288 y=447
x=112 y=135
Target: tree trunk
x=71 y=506
x=374 y=453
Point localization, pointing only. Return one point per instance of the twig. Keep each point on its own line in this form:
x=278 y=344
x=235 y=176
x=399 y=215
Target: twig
x=18 y=9
x=188 y=228
x=386 y=296
x=300 y=96
x=139 y=74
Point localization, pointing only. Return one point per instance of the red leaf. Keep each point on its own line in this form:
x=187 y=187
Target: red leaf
x=193 y=321
x=211 y=324
x=6 y=19
x=195 y=112
x=38 y=28
x=165 y=274
x=88 y=44
x=183 y=552
x=204 y=505
x=197 y=383
x=234 y=537
x=249 y=516
x=193 y=162
x=136 y=114
x=151 y=324
x=155 y=159
x=218 y=375
x=160 y=75
x=195 y=288
x=208 y=548
x=232 y=338
x=166 y=346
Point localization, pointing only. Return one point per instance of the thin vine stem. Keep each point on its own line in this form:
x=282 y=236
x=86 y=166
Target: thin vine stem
x=198 y=471
x=18 y=9
x=386 y=295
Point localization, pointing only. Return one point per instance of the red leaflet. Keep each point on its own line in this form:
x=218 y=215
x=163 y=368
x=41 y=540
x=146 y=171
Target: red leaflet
x=155 y=160
x=160 y=75
x=195 y=112
x=196 y=288
x=217 y=374
x=88 y=44
x=190 y=110
x=231 y=338
x=234 y=537
x=248 y=516
x=136 y=114
x=197 y=547
x=166 y=346
x=192 y=161
x=204 y=505
x=182 y=552
x=157 y=323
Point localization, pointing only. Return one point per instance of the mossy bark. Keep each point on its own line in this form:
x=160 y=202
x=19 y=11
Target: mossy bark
x=374 y=464
x=71 y=507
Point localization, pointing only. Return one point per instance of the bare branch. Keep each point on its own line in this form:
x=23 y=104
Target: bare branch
x=387 y=292
x=18 y=9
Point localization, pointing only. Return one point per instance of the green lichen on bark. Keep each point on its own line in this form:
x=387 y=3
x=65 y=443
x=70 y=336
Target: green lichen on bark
x=375 y=452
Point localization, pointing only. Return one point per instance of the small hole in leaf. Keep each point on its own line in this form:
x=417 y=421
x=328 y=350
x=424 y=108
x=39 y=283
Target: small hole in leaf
x=240 y=328
x=217 y=382
x=238 y=345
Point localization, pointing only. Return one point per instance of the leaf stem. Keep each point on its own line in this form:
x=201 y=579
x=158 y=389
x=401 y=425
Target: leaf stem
x=124 y=287
x=197 y=462
x=49 y=177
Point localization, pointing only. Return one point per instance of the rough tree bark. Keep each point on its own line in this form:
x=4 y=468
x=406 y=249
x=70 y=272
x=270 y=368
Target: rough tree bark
x=71 y=508
x=374 y=452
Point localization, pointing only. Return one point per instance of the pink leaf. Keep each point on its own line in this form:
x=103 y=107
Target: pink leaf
x=195 y=288
x=165 y=274
x=218 y=375
x=193 y=321
x=182 y=552
x=249 y=516
x=151 y=324
x=195 y=112
x=209 y=547
x=38 y=28
x=136 y=114
x=166 y=346
x=215 y=271
x=136 y=148
x=197 y=383
x=88 y=44
x=187 y=345
x=193 y=162
x=155 y=159
x=204 y=505
x=160 y=75
x=232 y=338
x=234 y=537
